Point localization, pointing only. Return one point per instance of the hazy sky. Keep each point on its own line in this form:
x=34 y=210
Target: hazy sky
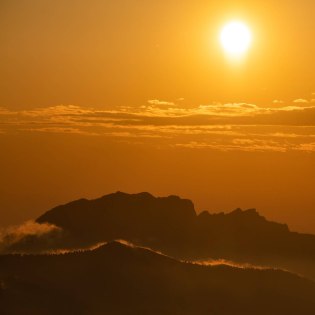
x=123 y=52
x=137 y=95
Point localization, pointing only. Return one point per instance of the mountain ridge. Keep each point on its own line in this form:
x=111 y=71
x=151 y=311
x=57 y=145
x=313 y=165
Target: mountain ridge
x=171 y=225
x=120 y=279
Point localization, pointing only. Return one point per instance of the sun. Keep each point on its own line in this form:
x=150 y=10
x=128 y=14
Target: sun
x=236 y=38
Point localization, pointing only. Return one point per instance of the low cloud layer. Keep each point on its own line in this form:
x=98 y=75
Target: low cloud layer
x=28 y=237
x=224 y=127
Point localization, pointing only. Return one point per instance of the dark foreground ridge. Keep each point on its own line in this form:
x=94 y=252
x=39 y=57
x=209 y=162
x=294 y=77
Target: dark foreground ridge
x=171 y=225
x=119 y=279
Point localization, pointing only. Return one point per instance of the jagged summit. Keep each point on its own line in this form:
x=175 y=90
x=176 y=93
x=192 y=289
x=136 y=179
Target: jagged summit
x=239 y=211
x=121 y=194
x=151 y=220
x=145 y=199
x=248 y=213
x=134 y=207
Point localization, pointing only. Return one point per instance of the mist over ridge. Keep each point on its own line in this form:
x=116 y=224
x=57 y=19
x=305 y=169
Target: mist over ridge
x=171 y=226
x=117 y=278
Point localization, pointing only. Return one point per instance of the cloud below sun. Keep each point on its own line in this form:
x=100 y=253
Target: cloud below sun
x=224 y=127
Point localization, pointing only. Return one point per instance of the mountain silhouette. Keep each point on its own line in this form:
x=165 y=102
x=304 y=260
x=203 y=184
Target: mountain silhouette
x=120 y=279
x=171 y=225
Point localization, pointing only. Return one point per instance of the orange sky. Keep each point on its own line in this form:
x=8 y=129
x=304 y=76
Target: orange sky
x=124 y=52
x=151 y=104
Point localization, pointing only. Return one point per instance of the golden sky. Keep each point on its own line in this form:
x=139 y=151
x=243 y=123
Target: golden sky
x=133 y=95
x=124 y=52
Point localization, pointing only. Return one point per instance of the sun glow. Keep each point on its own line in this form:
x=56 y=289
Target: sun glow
x=235 y=38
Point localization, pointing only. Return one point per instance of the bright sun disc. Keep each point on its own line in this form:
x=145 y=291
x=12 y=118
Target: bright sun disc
x=235 y=38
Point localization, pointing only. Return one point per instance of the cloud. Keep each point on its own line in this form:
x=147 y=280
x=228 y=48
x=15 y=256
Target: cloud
x=161 y=103
x=79 y=117
x=61 y=130
x=277 y=102
x=215 y=126
x=18 y=238
x=225 y=262
x=308 y=147
x=247 y=145
x=250 y=145
x=301 y=101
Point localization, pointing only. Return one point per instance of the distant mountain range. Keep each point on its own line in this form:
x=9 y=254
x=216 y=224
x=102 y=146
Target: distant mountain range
x=117 y=279
x=170 y=225
x=161 y=272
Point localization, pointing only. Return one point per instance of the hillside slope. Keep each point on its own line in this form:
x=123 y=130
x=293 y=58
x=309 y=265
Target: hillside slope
x=119 y=279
